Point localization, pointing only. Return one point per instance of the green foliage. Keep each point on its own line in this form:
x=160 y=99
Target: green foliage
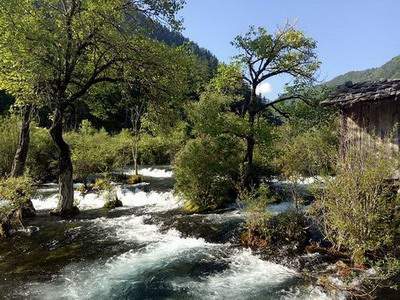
x=102 y=184
x=42 y=162
x=112 y=200
x=254 y=203
x=135 y=179
x=95 y=151
x=42 y=155
x=266 y=54
x=307 y=143
x=356 y=208
x=37 y=38
x=228 y=81
x=390 y=70
x=288 y=227
x=212 y=115
x=16 y=191
x=265 y=230
x=309 y=153
x=388 y=273
x=160 y=148
x=9 y=136
x=206 y=171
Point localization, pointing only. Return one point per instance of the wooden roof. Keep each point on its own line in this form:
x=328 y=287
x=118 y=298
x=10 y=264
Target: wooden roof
x=351 y=93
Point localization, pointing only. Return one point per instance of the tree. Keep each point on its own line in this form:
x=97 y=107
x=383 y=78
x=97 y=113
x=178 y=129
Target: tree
x=19 y=162
x=60 y=49
x=265 y=55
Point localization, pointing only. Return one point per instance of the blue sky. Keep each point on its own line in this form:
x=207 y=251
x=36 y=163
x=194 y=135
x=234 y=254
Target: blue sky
x=351 y=35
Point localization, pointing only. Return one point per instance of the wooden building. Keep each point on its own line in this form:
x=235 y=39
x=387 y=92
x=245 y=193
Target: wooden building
x=370 y=114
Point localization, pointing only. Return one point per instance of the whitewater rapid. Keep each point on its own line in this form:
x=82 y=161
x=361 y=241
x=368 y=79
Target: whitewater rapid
x=163 y=264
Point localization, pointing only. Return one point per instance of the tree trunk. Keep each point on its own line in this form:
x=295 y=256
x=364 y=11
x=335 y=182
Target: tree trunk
x=250 y=141
x=135 y=158
x=18 y=166
x=136 y=124
x=65 y=184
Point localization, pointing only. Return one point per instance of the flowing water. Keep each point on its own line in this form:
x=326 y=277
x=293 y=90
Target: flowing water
x=147 y=249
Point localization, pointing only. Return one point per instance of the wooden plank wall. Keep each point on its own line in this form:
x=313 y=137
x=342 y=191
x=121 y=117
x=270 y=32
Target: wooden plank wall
x=371 y=124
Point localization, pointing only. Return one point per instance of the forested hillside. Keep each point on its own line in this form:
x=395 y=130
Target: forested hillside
x=173 y=38
x=390 y=70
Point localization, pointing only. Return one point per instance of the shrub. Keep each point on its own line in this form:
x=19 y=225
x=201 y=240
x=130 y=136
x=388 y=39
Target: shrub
x=102 y=184
x=254 y=204
x=207 y=170
x=111 y=199
x=9 y=135
x=308 y=153
x=290 y=226
x=112 y=202
x=16 y=191
x=161 y=148
x=154 y=150
x=42 y=162
x=262 y=228
x=135 y=179
x=95 y=151
x=356 y=209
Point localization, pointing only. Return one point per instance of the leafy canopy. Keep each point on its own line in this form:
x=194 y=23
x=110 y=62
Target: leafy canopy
x=287 y=51
x=56 y=50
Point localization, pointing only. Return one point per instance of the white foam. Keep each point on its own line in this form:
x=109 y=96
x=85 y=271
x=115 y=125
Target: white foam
x=154 y=201
x=128 y=228
x=244 y=278
x=45 y=203
x=151 y=172
x=96 y=281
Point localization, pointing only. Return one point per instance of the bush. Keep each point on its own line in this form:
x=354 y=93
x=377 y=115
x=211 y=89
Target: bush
x=102 y=184
x=207 y=170
x=265 y=230
x=154 y=150
x=135 y=179
x=161 y=148
x=42 y=156
x=16 y=191
x=9 y=136
x=254 y=204
x=42 y=161
x=356 y=209
x=308 y=153
x=95 y=151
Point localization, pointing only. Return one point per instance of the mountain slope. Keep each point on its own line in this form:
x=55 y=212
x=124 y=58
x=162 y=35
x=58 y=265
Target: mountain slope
x=390 y=70
x=173 y=38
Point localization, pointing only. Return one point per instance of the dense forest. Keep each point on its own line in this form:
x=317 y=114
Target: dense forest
x=135 y=165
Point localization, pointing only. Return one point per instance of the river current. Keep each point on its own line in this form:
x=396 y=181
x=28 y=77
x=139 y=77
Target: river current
x=130 y=254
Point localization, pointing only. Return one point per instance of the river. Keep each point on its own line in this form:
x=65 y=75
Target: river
x=148 y=249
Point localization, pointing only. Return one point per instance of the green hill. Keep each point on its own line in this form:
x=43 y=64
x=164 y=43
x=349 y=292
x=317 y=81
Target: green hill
x=390 y=70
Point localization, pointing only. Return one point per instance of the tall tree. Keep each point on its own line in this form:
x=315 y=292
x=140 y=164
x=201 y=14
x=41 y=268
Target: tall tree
x=265 y=55
x=60 y=49
x=21 y=154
